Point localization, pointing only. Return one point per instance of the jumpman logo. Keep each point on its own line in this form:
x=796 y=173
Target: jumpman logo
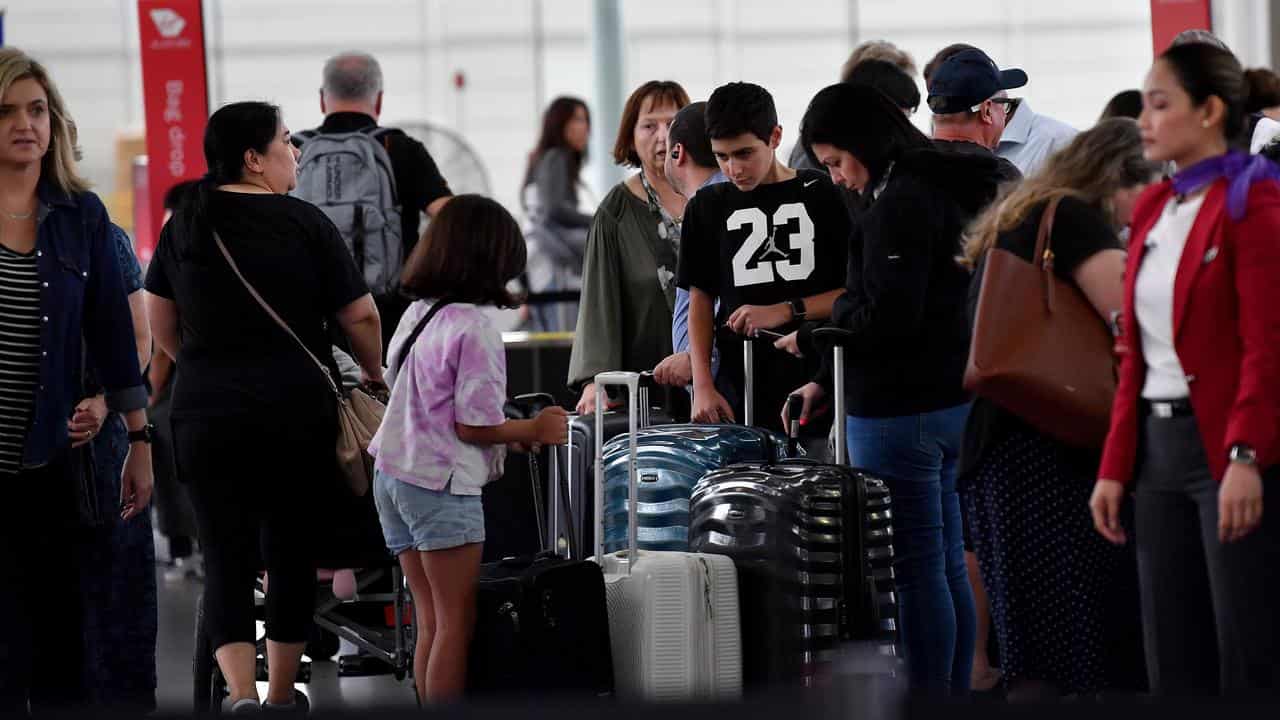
x=771 y=246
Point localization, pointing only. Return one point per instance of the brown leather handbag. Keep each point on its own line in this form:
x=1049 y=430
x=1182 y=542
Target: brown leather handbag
x=1039 y=348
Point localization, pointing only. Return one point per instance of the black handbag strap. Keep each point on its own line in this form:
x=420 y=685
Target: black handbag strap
x=417 y=330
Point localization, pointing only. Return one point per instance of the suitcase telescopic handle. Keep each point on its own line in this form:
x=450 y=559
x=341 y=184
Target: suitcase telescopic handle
x=839 y=339
x=528 y=406
x=795 y=405
x=637 y=385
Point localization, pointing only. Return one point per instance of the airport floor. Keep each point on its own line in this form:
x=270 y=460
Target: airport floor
x=326 y=692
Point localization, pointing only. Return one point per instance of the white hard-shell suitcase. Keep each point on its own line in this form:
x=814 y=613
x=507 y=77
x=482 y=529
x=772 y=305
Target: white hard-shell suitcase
x=673 y=616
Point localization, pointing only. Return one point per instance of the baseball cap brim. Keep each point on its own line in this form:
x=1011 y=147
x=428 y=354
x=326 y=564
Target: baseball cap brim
x=1012 y=78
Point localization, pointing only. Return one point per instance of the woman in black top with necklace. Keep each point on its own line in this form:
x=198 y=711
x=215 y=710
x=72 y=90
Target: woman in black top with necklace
x=254 y=420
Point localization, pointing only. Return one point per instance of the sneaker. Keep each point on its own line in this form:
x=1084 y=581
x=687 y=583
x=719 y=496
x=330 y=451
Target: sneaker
x=246 y=706
x=301 y=705
x=183 y=569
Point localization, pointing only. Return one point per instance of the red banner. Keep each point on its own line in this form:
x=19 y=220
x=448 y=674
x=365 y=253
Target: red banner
x=1170 y=17
x=175 y=90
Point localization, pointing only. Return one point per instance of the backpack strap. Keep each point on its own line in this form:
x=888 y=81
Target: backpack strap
x=382 y=134
x=383 y=137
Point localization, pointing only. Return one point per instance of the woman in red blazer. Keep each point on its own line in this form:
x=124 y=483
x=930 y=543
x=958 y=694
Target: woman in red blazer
x=1194 y=425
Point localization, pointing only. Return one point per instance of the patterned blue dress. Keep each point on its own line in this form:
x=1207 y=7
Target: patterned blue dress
x=118 y=569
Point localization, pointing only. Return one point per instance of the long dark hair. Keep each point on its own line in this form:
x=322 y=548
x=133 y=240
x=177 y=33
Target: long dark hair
x=554 y=121
x=469 y=253
x=232 y=130
x=861 y=121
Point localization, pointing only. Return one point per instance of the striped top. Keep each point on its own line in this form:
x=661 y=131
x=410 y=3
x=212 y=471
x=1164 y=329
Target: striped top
x=19 y=352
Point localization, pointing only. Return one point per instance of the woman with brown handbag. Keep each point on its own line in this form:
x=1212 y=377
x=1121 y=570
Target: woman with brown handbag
x=254 y=418
x=1194 y=427
x=1046 y=572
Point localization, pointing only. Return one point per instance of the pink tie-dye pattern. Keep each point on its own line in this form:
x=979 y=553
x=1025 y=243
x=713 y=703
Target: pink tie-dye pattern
x=456 y=373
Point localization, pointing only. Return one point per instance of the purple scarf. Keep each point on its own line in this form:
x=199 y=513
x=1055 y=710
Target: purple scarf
x=1239 y=168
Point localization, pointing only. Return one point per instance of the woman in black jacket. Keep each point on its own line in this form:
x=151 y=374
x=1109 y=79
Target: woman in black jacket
x=904 y=304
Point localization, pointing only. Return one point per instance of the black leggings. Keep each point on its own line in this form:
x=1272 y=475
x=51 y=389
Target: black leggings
x=253 y=483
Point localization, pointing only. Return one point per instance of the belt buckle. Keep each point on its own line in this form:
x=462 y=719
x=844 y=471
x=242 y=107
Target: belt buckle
x=1162 y=409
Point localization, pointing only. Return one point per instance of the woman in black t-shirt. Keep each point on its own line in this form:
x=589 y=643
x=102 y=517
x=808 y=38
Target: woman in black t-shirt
x=1055 y=585
x=254 y=421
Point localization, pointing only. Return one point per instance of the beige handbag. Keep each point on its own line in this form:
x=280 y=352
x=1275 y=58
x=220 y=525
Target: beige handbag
x=358 y=415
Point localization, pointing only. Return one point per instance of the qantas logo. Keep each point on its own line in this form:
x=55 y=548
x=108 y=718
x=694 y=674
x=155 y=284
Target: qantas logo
x=169 y=23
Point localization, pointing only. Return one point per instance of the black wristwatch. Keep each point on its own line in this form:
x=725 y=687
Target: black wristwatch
x=1243 y=454
x=143 y=435
x=797 y=309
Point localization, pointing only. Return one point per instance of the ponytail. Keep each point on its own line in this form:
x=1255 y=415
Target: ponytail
x=232 y=130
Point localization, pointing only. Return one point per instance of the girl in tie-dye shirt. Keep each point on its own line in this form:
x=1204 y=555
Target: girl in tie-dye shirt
x=444 y=433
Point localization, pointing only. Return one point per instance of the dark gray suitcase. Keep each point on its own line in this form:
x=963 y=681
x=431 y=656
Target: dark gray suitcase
x=813 y=546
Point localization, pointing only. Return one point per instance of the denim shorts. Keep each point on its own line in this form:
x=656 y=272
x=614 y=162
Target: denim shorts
x=414 y=517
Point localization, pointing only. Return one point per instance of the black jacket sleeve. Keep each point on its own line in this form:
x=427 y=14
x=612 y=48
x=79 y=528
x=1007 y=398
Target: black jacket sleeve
x=885 y=291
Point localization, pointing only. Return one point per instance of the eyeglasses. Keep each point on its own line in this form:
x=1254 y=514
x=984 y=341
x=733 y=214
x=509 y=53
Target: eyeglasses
x=1008 y=103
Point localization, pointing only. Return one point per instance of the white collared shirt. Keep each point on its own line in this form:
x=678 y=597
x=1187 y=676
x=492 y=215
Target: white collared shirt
x=1029 y=139
x=1153 y=299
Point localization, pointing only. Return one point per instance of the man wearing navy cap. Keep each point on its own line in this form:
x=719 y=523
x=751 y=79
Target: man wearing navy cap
x=1027 y=138
x=967 y=97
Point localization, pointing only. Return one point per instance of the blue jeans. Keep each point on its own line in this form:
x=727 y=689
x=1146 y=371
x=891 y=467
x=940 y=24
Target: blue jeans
x=917 y=456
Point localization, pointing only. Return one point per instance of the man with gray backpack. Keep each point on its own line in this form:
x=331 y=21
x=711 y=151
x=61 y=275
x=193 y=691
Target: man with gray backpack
x=372 y=182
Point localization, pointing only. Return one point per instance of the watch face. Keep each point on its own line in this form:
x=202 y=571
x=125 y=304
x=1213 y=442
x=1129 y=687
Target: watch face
x=1243 y=453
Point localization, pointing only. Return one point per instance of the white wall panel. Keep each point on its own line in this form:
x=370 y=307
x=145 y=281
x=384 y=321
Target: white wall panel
x=1078 y=54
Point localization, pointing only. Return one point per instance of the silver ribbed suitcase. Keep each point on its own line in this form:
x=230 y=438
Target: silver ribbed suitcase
x=673 y=616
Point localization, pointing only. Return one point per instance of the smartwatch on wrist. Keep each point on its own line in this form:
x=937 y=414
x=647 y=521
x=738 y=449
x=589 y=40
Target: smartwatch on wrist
x=144 y=435
x=1243 y=454
x=797 y=309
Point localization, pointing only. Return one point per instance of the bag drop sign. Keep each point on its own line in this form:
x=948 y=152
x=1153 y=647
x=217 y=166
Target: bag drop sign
x=171 y=33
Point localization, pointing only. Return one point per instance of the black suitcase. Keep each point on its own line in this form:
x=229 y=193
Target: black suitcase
x=542 y=624
x=542 y=628
x=813 y=547
x=510 y=530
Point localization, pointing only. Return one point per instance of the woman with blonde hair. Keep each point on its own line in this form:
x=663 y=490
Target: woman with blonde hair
x=62 y=306
x=1050 y=578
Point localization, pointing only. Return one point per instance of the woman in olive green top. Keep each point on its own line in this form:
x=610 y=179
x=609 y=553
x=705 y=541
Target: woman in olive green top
x=628 y=274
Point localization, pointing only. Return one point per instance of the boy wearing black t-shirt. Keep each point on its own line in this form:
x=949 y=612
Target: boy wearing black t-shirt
x=770 y=244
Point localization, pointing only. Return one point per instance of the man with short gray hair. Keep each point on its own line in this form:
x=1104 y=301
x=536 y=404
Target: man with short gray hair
x=351 y=100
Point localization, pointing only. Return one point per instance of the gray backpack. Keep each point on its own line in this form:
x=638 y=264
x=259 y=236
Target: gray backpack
x=348 y=176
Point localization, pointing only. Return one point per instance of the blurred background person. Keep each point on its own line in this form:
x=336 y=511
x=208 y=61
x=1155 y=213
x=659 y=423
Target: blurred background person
x=1126 y=103
x=879 y=51
x=556 y=234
